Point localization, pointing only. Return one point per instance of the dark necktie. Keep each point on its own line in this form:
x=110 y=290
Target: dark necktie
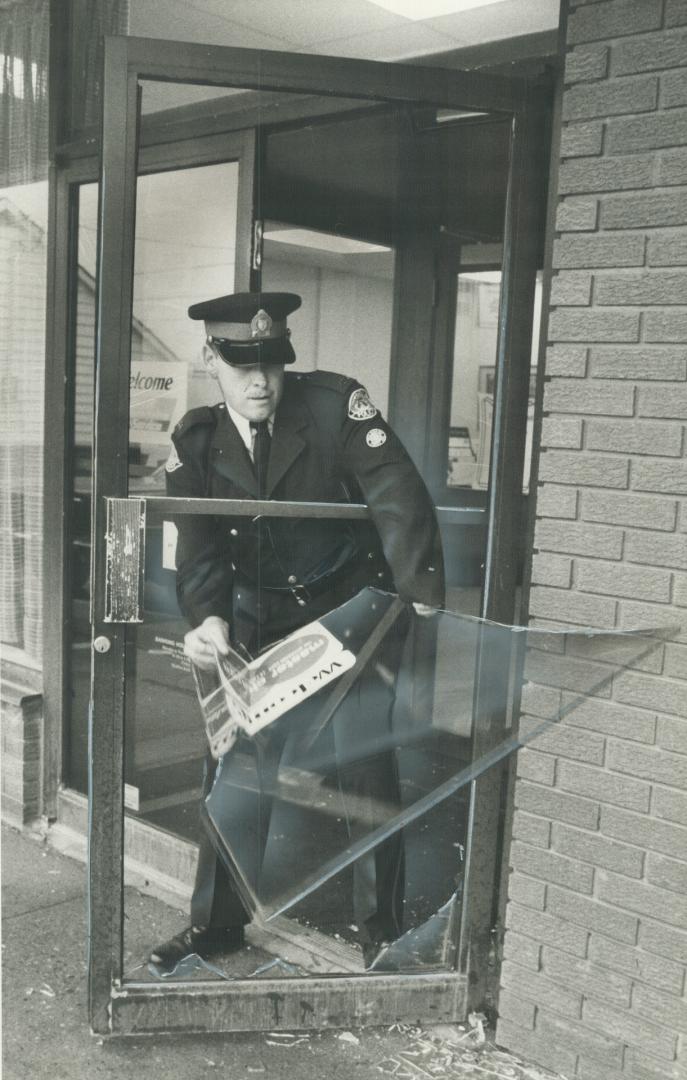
x=261 y=453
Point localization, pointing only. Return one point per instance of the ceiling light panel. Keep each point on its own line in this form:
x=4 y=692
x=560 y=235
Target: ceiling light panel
x=419 y=10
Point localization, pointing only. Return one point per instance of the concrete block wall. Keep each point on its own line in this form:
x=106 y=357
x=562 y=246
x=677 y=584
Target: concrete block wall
x=595 y=951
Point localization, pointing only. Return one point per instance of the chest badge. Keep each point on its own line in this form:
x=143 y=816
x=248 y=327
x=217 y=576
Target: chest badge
x=375 y=437
x=359 y=405
x=173 y=462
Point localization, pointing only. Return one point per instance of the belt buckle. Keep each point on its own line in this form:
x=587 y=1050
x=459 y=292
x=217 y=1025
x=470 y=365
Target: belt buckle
x=300 y=595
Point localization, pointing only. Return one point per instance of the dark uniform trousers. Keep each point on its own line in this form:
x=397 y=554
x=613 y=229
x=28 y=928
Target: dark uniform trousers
x=363 y=719
x=329 y=444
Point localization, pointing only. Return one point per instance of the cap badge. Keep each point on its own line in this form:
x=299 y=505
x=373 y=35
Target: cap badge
x=359 y=405
x=260 y=325
x=375 y=437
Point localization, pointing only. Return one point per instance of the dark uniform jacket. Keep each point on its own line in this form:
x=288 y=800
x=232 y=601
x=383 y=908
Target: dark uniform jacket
x=329 y=444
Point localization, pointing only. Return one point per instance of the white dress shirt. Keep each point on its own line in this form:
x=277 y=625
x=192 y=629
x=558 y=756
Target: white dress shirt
x=242 y=425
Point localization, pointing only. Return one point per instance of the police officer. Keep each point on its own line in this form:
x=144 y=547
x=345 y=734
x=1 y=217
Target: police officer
x=312 y=437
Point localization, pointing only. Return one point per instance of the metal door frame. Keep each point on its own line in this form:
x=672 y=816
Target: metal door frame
x=117 y=1006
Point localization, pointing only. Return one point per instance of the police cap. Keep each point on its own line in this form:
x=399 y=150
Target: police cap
x=250 y=327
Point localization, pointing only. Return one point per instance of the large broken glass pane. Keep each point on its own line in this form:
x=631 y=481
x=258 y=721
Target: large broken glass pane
x=335 y=813
x=347 y=811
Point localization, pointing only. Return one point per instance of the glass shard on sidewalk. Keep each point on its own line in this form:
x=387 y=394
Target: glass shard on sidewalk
x=371 y=770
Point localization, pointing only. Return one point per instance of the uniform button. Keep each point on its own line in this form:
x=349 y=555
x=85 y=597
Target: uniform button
x=380 y=574
x=301 y=603
x=292 y=579
x=430 y=569
x=370 y=554
x=234 y=532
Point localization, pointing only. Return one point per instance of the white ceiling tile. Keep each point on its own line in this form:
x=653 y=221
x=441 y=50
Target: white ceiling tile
x=356 y=28
x=208 y=22
x=510 y=18
x=412 y=39
x=305 y=21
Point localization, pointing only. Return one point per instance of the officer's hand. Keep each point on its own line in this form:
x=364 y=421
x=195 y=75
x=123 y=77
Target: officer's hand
x=200 y=644
x=424 y=610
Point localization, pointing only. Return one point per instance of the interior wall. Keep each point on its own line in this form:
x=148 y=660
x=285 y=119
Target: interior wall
x=343 y=325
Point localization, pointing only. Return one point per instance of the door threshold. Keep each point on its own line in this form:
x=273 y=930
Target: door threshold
x=315 y=1003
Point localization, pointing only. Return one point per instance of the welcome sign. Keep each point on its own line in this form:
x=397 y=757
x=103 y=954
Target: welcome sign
x=158 y=394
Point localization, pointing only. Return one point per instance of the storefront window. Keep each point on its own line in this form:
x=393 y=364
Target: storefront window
x=24 y=251
x=23 y=214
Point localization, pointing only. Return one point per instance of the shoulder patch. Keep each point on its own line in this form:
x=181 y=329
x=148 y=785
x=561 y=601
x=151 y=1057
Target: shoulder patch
x=173 y=462
x=359 y=405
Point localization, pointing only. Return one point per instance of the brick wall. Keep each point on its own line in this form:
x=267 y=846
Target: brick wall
x=21 y=736
x=593 y=980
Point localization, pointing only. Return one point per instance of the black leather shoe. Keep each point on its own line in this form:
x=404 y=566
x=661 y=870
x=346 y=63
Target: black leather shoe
x=206 y=941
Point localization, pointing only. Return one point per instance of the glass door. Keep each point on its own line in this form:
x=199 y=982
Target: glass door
x=345 y=207
x=178 y=248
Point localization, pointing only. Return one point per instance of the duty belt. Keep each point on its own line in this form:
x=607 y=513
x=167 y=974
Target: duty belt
x=301 y=593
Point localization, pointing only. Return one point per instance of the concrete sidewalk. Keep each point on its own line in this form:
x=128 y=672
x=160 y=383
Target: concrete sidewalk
x=45 y=1027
